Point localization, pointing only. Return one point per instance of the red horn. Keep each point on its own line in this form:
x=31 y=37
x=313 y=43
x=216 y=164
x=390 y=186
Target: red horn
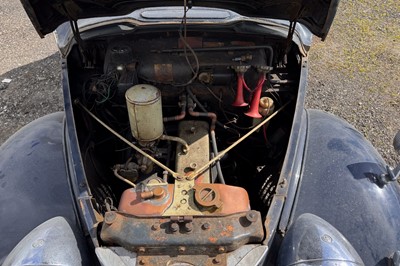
x=255 y=101
x=239 y=100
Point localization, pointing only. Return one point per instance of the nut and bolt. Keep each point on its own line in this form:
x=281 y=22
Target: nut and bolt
x=193 y=165
x=252 y=216
x=174 y=227
x=110 y=218
x=181 y=249
x=188 y=227
x=206 y=226
x=141 y=250
x=155 y=227
x=221 y=250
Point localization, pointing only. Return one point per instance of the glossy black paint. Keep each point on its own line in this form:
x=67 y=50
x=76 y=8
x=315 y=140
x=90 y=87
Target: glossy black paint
x=312 y=241
x=337 y=184
x=79 y=185
x=47 y=15
x=34 y=182
x=288 y=180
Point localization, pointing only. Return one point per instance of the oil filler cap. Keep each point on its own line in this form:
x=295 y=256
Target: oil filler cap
x=207 y=196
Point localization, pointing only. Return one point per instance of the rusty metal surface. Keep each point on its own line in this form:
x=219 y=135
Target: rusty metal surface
x=178 y=260
x=163 y=72
x=135 y=202
x=164 y=236
x=271 y=223
x=221 y=199
x=195 y=133
x=183 y=200
x=185 y=197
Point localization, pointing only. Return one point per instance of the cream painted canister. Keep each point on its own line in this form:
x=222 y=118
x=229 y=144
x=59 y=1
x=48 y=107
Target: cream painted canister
x=145 y=112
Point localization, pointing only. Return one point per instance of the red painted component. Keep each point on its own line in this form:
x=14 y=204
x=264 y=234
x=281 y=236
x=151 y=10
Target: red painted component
x=255 y=101
x=239 y=100
x=229 y=200
x=226 y=199
x=134 y=203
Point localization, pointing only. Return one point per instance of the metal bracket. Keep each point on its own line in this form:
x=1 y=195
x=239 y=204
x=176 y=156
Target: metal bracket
x=392 y=175
x=198 y=235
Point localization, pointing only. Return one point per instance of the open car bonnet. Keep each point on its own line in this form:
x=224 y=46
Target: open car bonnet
x=316 y=15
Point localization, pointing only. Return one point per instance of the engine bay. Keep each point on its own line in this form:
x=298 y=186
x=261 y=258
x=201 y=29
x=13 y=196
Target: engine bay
x=206 y=120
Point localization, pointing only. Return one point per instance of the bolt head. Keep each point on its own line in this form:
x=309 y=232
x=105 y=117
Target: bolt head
x=221 y=249
x=141 y=250
x=110 y=218
x=252 y=216
x=174 y=227
x=188 y=227
x=142 y=262
x=155 y=227
x=206 y=226
x=181 y=249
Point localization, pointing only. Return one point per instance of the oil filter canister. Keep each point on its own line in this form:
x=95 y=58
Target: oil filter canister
x=145 y=112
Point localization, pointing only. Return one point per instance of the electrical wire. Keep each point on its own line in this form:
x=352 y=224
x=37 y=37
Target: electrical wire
x=211 y=92
x=183 y=38
x=100 y=87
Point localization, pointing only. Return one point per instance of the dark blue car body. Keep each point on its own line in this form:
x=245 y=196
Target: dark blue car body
x=330 y=177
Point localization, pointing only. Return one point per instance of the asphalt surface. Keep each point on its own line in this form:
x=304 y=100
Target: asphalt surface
x=32 y=64
x=19 y=42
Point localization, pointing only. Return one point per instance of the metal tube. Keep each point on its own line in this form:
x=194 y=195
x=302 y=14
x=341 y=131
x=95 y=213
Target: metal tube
x=215 y=150
x=220 y=155
x=181 y=115
x=213 y=49
x=176 y=117
x=123 y=179
x=174 y=174
x=185 y=146
x=191 y=95
x=210 y=115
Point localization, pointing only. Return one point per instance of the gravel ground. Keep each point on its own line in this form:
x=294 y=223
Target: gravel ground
x=353 y=74
x=32 y=65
